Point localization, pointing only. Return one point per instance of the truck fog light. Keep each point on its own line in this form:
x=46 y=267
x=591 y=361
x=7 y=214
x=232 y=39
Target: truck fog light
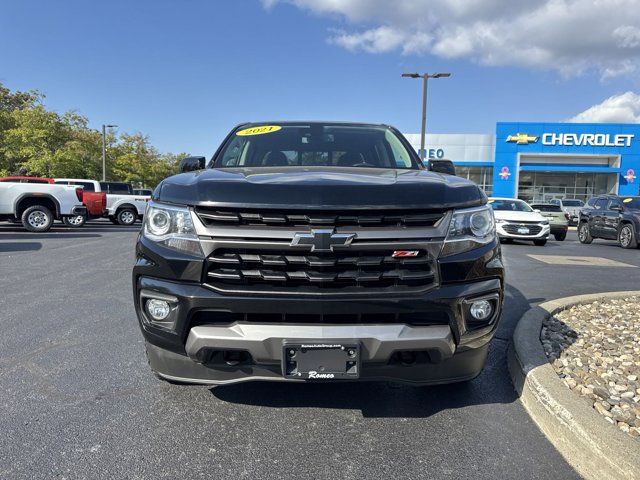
x=158 y=309
x=481 y=309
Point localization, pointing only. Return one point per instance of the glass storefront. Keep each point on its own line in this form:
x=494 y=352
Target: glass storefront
x=482 y=176
x=545 y=186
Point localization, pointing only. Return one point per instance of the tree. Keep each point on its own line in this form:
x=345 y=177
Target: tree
x=43 y=142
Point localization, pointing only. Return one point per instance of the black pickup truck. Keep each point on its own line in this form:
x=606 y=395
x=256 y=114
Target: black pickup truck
x=612 y=218
x=308 y=251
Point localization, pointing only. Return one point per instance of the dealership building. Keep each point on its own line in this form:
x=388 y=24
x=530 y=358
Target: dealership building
x=541 y=161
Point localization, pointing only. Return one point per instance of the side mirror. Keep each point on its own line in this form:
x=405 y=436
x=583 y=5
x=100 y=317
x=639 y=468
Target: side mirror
x=442 y=166
x=191 y=164
x=537 y=210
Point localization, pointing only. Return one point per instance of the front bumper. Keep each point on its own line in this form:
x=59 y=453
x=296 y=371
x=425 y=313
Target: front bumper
x=187 y=350
x=502 y=233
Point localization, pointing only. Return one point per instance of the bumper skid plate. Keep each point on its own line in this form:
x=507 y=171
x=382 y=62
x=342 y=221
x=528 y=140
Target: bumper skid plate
x=264 y=342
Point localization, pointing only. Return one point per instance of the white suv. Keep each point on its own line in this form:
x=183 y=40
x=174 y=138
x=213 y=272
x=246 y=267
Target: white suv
x=515 y=219
x=570 y=206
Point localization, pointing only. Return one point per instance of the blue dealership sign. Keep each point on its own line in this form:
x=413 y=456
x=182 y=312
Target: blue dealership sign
x=550 y=147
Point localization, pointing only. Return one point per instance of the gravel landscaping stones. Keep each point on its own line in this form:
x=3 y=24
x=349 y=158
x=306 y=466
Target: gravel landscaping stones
x=595 y=349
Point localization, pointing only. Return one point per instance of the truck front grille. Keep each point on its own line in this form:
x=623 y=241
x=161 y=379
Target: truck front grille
x=345 y=271
x=212 y=217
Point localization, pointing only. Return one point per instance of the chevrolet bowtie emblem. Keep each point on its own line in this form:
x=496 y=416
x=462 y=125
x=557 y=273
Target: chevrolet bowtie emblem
x=522 y=138
x=322 y=240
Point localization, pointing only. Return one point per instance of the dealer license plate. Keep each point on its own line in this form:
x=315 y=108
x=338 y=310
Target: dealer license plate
x=523 y=230
x=321 y=361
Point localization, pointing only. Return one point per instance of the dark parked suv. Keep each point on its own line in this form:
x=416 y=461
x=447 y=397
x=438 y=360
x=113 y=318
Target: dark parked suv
x=613 y=218
x=317 y=251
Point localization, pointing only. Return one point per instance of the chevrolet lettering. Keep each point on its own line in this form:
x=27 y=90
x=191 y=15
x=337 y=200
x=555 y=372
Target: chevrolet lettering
x=587 y=139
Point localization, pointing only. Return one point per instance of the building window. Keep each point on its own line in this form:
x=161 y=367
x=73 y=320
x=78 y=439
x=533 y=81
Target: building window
x=482 y=176
x=540 y=187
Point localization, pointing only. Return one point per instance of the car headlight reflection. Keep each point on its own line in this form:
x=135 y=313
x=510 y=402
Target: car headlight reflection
x=171 y=227
x=469 y=228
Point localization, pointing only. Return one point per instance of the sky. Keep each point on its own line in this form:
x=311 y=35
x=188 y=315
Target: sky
x=185 y=72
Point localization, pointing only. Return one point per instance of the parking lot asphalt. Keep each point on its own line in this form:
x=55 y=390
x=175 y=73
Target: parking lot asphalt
x=78 y=400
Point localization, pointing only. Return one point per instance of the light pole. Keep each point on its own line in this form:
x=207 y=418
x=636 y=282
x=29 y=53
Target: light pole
x=104 y=150
x=425 y=78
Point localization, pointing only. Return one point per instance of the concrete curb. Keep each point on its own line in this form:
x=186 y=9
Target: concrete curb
x=595 y=448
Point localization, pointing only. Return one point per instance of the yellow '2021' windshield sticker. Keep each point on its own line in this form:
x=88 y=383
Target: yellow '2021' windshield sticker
x=627 y=200
x=262 y=129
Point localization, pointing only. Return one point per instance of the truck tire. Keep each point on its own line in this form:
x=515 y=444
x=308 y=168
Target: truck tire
x=560 y=236
x=126 y=216
x=627 y=236
x=37 y=218
x=74 y=222
x=584 y=235
x=540 y=243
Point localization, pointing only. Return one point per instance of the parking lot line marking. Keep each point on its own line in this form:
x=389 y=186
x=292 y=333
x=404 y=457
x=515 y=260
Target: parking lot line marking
x=584 y=261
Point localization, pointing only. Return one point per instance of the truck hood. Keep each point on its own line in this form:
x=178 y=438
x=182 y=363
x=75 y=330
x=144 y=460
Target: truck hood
x=319 y=187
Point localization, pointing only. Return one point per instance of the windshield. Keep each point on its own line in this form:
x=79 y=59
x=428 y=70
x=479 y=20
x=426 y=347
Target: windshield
x=315 y=145
x=632 y=203
x=510 y=205
x=572 y=203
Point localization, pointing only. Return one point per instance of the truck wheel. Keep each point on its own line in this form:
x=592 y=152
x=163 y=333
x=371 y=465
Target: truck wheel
x=627 y=237
x=540 y=243
x=74 y=222
x=560 y=236
x=584 y=235
x=126 y=217
x=37 y=218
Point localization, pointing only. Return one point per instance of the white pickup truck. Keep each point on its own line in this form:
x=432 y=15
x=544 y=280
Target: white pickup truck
x=123 y=207
x=37 y=205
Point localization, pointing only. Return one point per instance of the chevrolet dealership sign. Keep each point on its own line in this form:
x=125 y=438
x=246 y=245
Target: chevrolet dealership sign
x=575 y=139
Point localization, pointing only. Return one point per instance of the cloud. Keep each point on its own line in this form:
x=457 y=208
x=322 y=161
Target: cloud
x=623 y=108
x=569 y=36
x=381 y=39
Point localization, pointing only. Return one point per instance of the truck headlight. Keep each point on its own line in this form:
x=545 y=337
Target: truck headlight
x=171 y=227
x=469 y=228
